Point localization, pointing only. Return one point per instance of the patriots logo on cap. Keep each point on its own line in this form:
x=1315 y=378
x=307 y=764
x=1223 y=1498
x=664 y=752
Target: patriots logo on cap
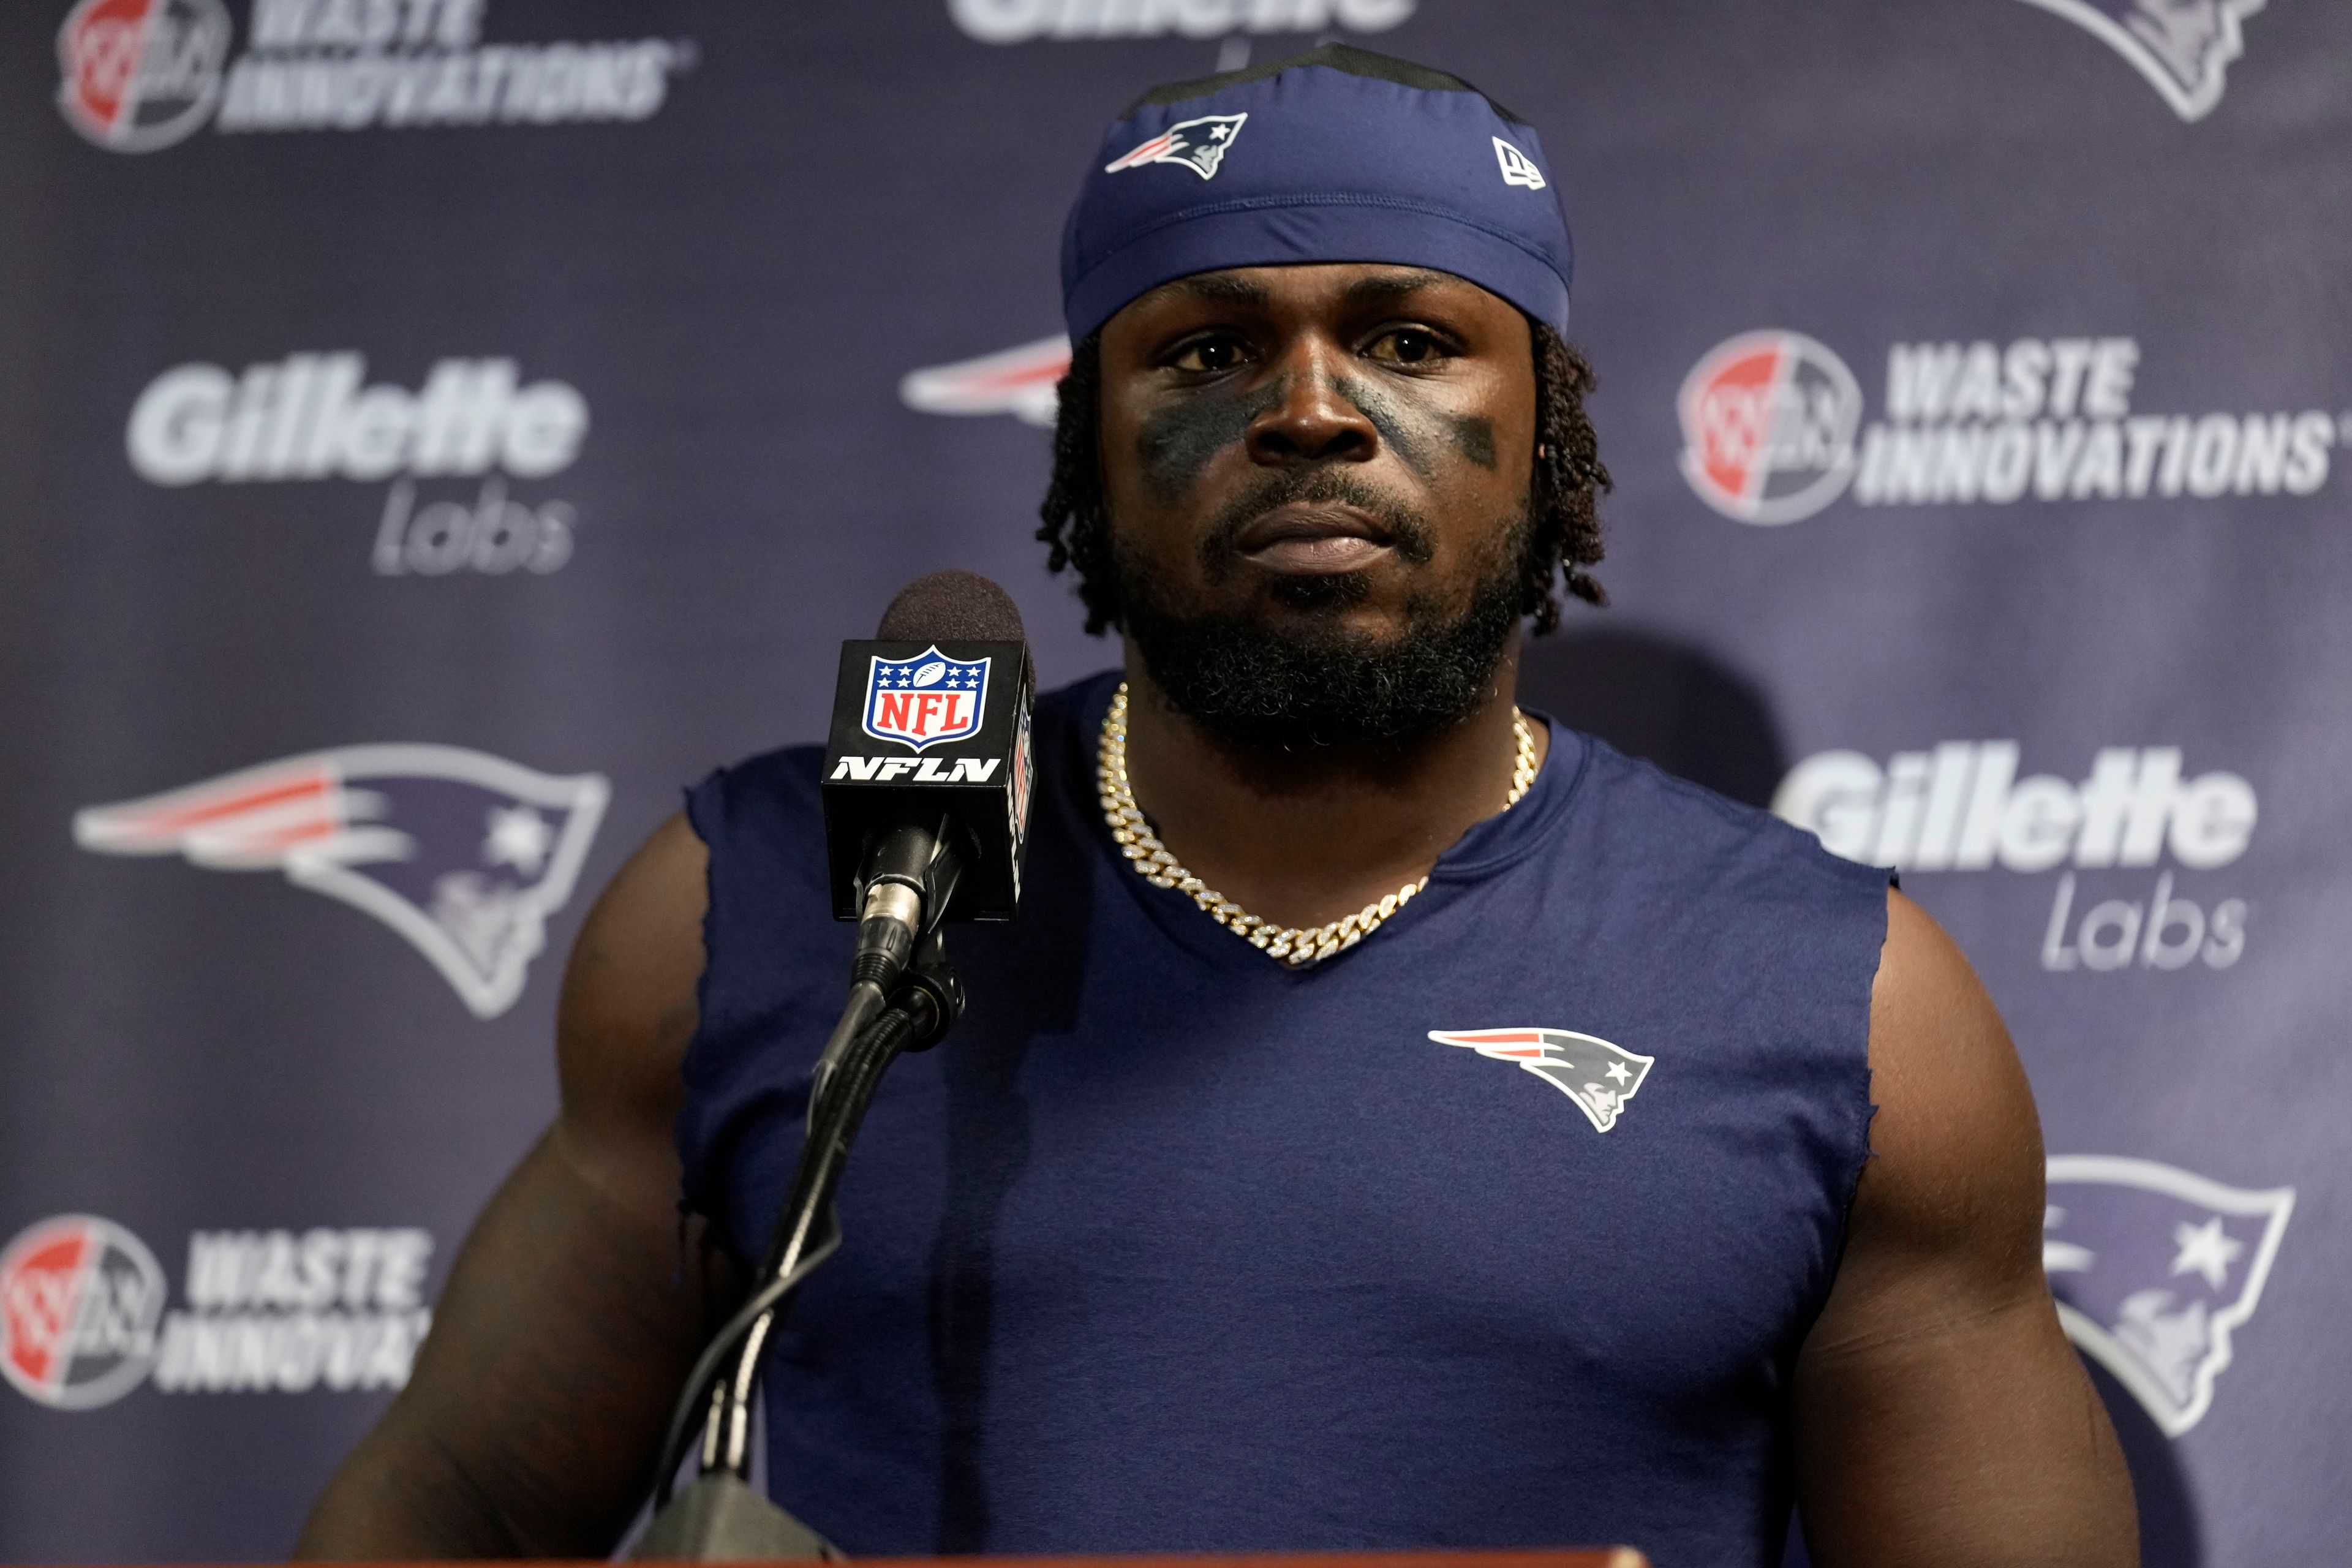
x=926 y=701
x=1599 y=1077
x=2182 y=47
x=465 y=854
x=1199 y=144
x=2154 y=1268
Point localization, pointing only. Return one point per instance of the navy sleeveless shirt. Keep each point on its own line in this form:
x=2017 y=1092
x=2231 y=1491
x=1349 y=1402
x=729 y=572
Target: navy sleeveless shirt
x=1168 y=1247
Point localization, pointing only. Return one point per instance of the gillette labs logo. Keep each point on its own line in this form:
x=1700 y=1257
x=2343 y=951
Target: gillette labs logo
x=314 y=416
x=1962 y=808
x=309 y=417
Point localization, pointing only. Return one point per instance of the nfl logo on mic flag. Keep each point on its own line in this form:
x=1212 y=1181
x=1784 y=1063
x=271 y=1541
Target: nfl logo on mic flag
x=925 y=700
x=919 y=725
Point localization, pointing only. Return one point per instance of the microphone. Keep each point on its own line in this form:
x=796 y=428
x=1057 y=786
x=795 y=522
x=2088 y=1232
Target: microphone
x=927 y=788
x=928 y=776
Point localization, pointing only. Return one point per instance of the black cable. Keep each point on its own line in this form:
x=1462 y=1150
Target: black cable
x=865 y=1004
x=807 y=1234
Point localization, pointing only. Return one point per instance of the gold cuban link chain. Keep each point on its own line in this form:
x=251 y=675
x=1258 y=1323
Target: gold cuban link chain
x=1294 y=946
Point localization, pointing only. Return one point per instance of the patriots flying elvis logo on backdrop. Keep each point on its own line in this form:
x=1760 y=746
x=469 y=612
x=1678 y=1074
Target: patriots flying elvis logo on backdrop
x=925 y=700
x=1199 y=144
x=465 y=854
x=2182 y=47
x=1599 y=1077
x=1023 y=382
x=2154 y=1268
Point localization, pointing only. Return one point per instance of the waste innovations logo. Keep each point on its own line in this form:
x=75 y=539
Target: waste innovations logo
x=138 y=75
x=82 y=1319
x=311 y=416
x=1962 y=808
x=2182 y=47
x=1772 y=430
x=1767 y=427
x=1018 y=21
x=78 y=1301
x=465 y=855
x=2155 y=1267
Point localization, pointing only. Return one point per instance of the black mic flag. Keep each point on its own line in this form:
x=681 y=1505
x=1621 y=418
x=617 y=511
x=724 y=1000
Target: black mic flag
x=931 y=729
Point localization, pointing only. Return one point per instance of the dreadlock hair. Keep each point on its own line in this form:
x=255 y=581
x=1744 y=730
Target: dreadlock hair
x=1564 y=490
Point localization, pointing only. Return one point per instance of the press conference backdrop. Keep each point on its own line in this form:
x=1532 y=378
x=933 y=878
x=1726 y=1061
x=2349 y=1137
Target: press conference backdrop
x=435 y=430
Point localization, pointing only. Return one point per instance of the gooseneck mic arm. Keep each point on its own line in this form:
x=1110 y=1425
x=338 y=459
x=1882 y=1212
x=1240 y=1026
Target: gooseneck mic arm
x=926 y=1007
x=927 y=781
x=722 y=1515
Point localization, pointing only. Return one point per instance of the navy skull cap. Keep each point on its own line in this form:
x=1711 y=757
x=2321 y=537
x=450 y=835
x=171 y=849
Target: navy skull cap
x=1338 y=154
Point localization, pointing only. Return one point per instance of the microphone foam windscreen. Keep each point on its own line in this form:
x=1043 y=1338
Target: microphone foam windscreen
x=951 y=606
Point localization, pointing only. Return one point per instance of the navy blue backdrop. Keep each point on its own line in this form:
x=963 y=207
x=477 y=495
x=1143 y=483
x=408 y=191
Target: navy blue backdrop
x=431 y=432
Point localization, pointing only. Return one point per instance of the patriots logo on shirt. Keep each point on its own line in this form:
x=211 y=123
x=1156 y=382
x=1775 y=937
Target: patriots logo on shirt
x=1199 y=144
x=2182 y=47
x=1599 y=1077
x=2154 y=1269
x=465 y=854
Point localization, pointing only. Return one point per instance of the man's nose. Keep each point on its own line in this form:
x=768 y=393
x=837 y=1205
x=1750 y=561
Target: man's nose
x=1312 y=420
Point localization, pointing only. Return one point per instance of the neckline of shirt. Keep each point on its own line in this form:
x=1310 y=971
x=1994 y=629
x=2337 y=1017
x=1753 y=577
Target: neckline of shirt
x=1489 y=847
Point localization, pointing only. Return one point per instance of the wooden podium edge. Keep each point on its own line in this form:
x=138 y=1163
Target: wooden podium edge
x=1600 y=1557
x=1544 y=1557
x=1586 y=1557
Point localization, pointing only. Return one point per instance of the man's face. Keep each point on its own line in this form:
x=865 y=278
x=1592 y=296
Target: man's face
x=1317 y=479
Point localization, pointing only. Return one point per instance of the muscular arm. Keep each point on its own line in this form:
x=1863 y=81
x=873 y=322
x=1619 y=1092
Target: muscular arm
x=1942 y=1418
x=572 y=1314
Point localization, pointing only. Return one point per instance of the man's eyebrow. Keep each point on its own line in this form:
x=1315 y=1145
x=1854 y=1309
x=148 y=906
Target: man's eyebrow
x=1384 y=288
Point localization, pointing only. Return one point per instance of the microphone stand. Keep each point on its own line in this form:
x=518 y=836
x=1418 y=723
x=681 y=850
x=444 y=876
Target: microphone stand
x=723 y=1515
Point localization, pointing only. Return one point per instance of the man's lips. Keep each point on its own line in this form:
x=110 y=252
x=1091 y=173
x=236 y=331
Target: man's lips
x=1308 y=537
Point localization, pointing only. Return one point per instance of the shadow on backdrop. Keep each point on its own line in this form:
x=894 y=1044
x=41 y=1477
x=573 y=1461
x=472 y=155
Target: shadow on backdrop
x=2169 y=1535
x=1663 y=700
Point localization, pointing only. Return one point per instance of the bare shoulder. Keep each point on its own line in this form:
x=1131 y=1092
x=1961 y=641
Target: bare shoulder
x=1955 y=1178
x=567 y=1323
x=1941 y=1417
x=628 y=1007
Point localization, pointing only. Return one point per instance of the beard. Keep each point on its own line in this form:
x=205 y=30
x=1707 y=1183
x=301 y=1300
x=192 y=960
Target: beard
x=1311 y=682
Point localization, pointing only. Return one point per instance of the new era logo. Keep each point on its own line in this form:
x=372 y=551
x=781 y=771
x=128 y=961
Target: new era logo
x=1518 y=169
